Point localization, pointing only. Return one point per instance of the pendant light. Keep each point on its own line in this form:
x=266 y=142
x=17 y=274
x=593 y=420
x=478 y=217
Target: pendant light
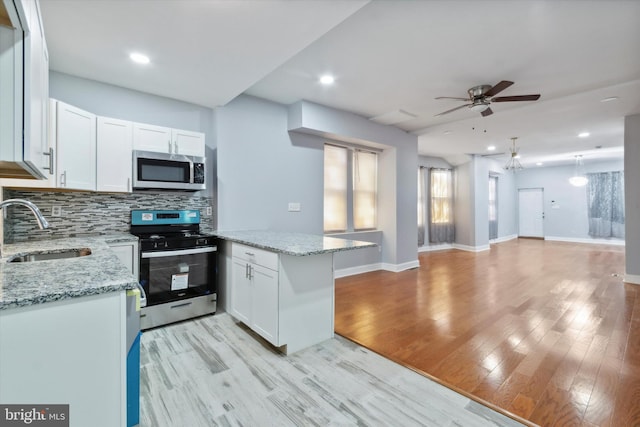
x=513 y=163
x=579 y=178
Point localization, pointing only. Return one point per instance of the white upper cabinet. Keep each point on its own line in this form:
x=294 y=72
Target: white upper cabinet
x=76 y=142
x=151 y=138
x=24 y=84
x=188 y=143
x=114 y=159
x=36 y=89
x=166 y=140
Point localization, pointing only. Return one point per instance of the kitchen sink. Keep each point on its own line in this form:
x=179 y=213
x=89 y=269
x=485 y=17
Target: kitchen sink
x=49 y=255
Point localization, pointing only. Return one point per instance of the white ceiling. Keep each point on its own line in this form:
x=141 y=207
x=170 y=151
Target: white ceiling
x=386 y=55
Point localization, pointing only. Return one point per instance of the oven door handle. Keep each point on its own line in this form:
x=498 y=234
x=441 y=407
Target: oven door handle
x=162 y=254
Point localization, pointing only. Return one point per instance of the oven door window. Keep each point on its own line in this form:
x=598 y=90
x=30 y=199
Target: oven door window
x=166 y=277
x=155 y=170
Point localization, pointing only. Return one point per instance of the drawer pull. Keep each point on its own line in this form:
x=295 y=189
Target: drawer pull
x=250 y=254
x=184 y=304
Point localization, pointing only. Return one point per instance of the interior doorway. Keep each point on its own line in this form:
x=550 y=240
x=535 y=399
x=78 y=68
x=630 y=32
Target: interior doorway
x=531 y=212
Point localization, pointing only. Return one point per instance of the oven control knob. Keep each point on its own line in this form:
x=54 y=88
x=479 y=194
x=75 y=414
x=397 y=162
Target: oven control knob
x=165 y=245
x=155 y=245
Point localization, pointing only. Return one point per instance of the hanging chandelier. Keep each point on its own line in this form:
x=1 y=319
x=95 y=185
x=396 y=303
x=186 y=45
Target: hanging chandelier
x=579 y=179
x=513 y=163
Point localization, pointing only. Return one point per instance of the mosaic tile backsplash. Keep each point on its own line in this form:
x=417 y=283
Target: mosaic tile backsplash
x=89 y=214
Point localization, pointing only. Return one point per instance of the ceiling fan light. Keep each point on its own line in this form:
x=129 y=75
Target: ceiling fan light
x=479 y=107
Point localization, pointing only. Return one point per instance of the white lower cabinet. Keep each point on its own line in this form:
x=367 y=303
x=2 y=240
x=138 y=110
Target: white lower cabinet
x=71 y=352
x=288 y=300
x=254 y=300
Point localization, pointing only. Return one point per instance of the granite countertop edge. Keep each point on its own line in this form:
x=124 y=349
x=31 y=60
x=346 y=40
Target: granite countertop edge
x=295 y=244
x=38 y=282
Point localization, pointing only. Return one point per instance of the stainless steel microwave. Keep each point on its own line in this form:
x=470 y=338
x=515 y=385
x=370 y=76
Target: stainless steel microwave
x=168 y=171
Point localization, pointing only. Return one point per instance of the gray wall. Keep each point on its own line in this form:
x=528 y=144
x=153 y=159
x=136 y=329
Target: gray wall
x=507 y=201
x=397 y=214
x=261 y=168
x=632 y=197
x=463 y=204
x=569 y=218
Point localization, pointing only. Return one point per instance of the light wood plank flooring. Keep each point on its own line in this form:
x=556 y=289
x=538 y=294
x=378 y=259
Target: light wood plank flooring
x=213 y=371
x=544 y=330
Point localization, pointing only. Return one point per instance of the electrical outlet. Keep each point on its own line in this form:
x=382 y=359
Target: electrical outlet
x=209 y=211
x=294 y=207
x=56 y=210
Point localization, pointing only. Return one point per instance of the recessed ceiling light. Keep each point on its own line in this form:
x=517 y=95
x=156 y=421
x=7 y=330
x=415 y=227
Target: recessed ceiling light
x=611 y=98
x=327 y=79
x=539 y=164
x=448 y=132
x=139 y=58
x=491 y=147
x=583 y=134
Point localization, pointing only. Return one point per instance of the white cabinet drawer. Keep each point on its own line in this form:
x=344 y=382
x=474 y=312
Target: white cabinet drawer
x=256 y=256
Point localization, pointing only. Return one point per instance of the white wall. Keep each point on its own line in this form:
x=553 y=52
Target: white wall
x=568 y=220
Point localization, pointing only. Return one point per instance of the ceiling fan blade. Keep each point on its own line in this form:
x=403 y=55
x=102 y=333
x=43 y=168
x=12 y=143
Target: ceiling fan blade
x=487 y=112
x=516 y=98
x=453 y=109
x=498 y=88
x=449 y=97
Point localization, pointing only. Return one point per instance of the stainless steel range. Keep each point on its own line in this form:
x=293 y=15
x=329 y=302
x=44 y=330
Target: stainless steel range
x=178 y=266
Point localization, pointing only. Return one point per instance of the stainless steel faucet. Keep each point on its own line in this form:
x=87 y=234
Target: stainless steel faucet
x=42 y=222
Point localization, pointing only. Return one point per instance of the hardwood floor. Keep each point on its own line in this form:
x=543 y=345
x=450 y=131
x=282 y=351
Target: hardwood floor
x=214 y=371
x=544 y=330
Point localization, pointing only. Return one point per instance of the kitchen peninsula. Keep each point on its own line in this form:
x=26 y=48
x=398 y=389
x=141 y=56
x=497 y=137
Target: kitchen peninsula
x=281 y=285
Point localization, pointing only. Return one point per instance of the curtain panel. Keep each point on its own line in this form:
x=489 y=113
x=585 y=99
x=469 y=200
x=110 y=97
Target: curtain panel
x=423 y=182
x=440 y=212
x=606 y=204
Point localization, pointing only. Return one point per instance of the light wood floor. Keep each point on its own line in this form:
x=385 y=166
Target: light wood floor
x=544 y=330
x=214 y=371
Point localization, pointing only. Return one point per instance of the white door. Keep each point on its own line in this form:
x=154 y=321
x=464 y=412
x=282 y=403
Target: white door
x=76 y=158
x=531 y=212
x=240 y=304
x=264 y=313
x=114 y=147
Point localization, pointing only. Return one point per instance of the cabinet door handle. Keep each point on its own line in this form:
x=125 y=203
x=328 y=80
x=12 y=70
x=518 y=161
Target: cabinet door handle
x=175 y=147
x=50 y=154
x=250 y=272
x=246 y=271
x=63 y=179
x=169 y=142
x=129 y=185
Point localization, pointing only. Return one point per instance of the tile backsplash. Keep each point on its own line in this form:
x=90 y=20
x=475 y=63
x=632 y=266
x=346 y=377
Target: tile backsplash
x=86 y=213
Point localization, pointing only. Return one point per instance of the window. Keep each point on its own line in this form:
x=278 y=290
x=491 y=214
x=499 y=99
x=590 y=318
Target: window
x=493 y=207
x=350 y=189
x=441 y=225
x=441 y=196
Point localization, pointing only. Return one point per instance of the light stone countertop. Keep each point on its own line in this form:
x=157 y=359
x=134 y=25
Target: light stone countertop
x=296 y=244
x=37 y=282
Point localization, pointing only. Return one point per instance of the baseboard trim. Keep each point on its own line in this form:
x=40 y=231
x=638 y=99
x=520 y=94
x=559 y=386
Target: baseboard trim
x=504 y=238
x=436 y=247
x=615 y=242
x=396 y=268
x=634 y=279
x=471 y=248
x=352 y=271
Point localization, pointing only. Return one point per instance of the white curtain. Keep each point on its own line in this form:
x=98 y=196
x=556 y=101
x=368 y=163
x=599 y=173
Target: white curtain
x=606 y=204
x=422 y=205
x=365 y=190
x=441 y=225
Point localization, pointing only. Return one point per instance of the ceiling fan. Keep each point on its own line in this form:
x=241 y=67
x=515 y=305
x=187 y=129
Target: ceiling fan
x=481 y=96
